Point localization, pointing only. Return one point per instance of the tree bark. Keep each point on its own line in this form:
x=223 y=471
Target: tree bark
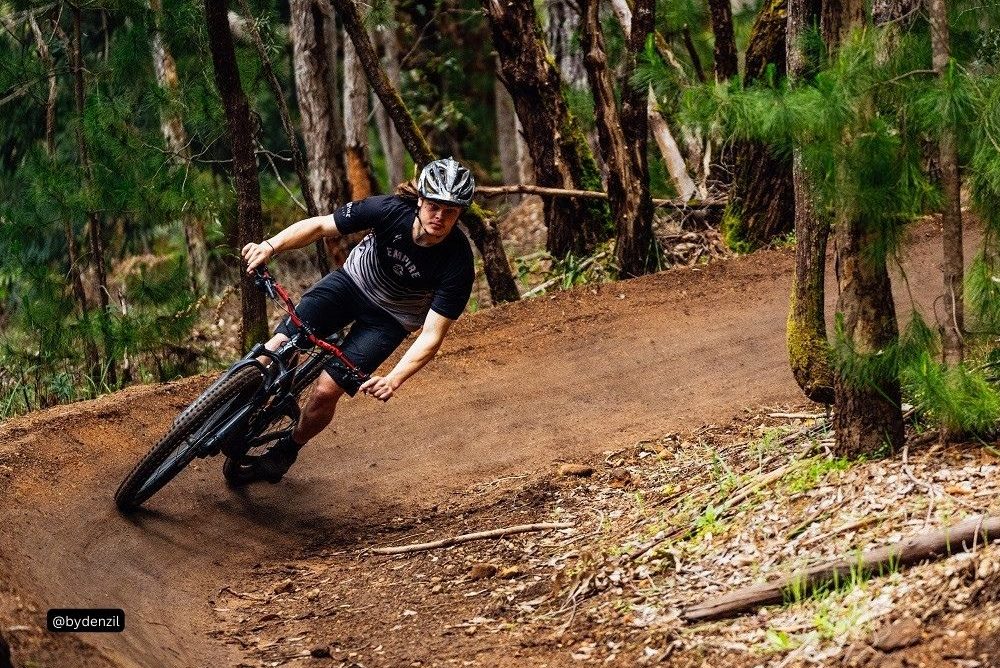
x=808 y=348
x=558 y=148
x=484 y=232
x=94 y=227
x=726 y=62
x=763 y=194
x=249 y=224
x=951 y=214
x=314 y=55
x=623 y=139
x=563 y=25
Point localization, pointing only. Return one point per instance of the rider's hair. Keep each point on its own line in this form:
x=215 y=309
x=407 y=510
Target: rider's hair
x=408 y=190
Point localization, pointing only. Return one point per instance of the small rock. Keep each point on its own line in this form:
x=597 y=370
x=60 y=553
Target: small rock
x=482 y=571
x=436 y=589
x=859 y=655
x=313 y=594
x=284 y=587
x=902 y=633
x=320 y=652
x=470 y=630
x=579 y=470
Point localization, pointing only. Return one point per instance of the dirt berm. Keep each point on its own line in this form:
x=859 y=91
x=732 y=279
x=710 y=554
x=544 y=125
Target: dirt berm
x=516 y=388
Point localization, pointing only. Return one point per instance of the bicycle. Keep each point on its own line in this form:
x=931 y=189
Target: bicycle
x=252 y=404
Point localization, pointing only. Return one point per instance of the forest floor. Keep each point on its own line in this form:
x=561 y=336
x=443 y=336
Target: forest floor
x=631 y=411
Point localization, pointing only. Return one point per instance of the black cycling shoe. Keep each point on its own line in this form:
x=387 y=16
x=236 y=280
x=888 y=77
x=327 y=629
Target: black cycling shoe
x=274 y=464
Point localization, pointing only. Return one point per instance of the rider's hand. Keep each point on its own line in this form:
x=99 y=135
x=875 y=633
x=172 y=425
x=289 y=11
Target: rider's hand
x=380 y=387
x=257 y=254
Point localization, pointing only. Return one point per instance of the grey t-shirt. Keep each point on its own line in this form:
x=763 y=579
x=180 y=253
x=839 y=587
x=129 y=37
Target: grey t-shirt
x=403 y=278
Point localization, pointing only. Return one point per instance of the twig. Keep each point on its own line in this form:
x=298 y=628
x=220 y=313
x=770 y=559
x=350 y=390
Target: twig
x=481 y=535
x=797 y=416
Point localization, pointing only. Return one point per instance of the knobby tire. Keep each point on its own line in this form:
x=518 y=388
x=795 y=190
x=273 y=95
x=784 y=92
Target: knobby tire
x=131 y=493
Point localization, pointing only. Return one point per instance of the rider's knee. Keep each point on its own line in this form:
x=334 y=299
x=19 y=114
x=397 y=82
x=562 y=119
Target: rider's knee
x=327 y=390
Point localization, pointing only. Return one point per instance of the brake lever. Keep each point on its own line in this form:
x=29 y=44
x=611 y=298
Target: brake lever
x=263 y=281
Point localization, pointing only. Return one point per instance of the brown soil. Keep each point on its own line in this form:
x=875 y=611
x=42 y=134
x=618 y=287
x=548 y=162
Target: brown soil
x=517 y=388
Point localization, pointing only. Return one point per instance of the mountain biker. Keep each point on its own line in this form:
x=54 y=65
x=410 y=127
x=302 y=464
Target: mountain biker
x=413 y=271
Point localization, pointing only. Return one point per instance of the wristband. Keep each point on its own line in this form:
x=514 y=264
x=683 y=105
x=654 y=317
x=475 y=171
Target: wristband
x=273 y=252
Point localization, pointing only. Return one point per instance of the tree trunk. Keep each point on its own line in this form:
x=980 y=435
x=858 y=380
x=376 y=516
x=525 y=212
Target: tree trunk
x=392 y=144
x=808 y=349
x=623 y=139
x=507 y=137
x=563 y=26
x=322 y=260
x=177 y=142
x=484 y=232
x=359 y=168
x=72 y=251
x=558 y=148
x=248 y=211
x=951 y=215
x=762 y=197
x=868 y=413
x=683 y=183
x=314 y=54
x=50 y=68
x=95 y=232
x=726 y=62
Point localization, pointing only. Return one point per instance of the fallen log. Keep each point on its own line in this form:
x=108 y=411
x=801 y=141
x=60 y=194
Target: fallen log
x=465 y=538
x=962 y=537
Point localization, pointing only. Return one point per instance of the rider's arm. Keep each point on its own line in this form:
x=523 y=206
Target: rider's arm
x=420 y=352
x=294 y=236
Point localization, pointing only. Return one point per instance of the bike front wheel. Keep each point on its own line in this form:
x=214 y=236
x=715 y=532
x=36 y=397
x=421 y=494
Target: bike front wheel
x=181 y=442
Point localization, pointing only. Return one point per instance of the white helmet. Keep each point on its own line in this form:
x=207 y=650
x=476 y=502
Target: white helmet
x=448 y=182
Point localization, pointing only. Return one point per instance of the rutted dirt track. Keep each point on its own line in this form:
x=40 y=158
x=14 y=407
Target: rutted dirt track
x=515 y=389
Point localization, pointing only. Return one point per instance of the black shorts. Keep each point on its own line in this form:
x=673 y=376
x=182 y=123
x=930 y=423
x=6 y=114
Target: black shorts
x=332 y=303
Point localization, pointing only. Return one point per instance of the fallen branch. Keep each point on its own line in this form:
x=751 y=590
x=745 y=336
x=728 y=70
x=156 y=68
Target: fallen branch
x=520 y=189
x=932 y=545
x=465 y=538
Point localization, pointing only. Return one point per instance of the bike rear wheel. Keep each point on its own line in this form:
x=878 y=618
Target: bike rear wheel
x=181 y=442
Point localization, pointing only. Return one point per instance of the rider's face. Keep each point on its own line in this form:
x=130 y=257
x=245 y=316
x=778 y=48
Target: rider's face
x=436 y=219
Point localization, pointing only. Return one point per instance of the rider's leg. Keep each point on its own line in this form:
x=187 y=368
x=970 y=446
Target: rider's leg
x=319 y=409
x=315 y=416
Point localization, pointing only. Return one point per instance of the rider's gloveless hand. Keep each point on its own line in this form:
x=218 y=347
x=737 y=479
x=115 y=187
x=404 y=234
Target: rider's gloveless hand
x=257 y=254
x=380 y=387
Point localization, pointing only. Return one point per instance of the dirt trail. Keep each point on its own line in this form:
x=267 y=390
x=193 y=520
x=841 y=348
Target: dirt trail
x=516 y=389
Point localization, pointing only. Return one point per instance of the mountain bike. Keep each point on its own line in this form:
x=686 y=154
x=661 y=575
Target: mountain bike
x=252 y=405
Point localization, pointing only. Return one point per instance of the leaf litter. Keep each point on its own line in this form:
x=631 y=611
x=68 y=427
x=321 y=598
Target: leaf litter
x=657 y=526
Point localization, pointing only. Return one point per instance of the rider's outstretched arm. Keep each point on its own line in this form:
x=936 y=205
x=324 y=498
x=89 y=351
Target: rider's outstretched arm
x=420 y=352
x=294 y=236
